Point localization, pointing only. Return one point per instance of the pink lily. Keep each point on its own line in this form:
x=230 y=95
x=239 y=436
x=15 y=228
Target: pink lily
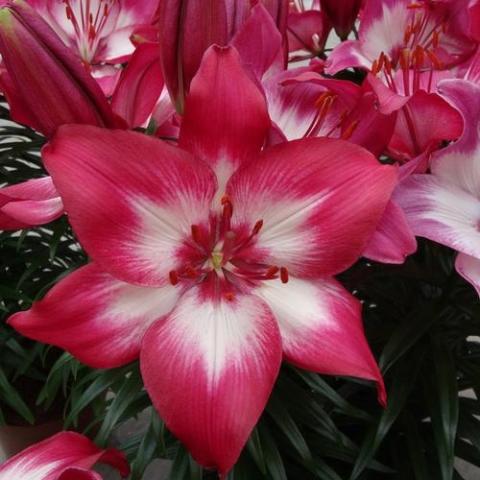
x=65 y=456
x=213 y=259
x=98 y=31
x=254 y=31
x=342 y=14
x=391 y=28
x=444 y=206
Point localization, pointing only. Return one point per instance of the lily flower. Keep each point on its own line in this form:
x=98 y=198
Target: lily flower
x=213 y=260
x=390 y=29
x=65 y=456
x=444 y=206
x=98 y=31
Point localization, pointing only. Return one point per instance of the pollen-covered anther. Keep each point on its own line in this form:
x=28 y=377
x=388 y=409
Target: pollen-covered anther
x=284 y=275
x=258 y=226
x=196 y=235
x=271 y=272
x=173 y=277
x=230 y=296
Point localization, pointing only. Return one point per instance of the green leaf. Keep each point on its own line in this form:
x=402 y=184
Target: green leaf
x=442 y=394
x=11 y=397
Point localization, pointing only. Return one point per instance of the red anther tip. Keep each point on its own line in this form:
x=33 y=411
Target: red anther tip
x=230 y=296
x=196 y=233
x=272 y=271
x=173 y=277
x=225 y=199
x=258 y=226
x=284 y=275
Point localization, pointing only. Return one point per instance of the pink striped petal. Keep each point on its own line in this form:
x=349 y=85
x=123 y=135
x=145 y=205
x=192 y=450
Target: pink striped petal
x=441 y=211
x=469 y=268
x=140 y=86
x=49 y=459
x=98 y=319
x=29 y=203
x=321 y=327
x=459 y=163
x=258 y=41
x=131 y=199
x=226 y=119
x=320 y=201
x=209 y=369
x=415 y=132
x=393 y=239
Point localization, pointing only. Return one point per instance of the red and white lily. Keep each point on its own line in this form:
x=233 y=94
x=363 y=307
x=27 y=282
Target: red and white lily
x=65 y=456
x=98 y=31
x=213 y=261
x=444 y=206
x=393 y=30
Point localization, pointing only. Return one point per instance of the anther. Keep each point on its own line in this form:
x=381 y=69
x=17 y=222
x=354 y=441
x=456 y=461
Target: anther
x=272 y=271
x=230 y=296
x=173 y=276
x=197 y=237
x=258 y=226
x=284 y=275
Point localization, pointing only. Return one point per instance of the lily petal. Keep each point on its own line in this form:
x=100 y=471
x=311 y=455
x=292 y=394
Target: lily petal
x=459 y=163
x=393 y=239
x=321 y=327
x=441 y=211
x=131 y=199
x=320 y=201
x=469 y=268
x=79 y=474
x=90 y=312
x=48 y=459
x=238 y=121
x=140 y=86
x=209 y=369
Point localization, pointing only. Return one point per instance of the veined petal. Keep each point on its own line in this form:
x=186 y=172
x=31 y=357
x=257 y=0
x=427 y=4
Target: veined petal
x=441 y=211
x=459 y=163
x=140 y=86
x=415 y=133
x=34 y=212
x=209 y=369
x=48 y=459
x=258 y=41
x=226 y=119
x=469 y=268
x=320 y=201
x=29 y=203
x=131 y=199
x=98 y=319
x=393 y=239
x=321 y=327
x=346 y=55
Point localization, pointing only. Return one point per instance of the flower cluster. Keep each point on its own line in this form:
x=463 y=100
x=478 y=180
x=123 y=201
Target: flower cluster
x=220 y=166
